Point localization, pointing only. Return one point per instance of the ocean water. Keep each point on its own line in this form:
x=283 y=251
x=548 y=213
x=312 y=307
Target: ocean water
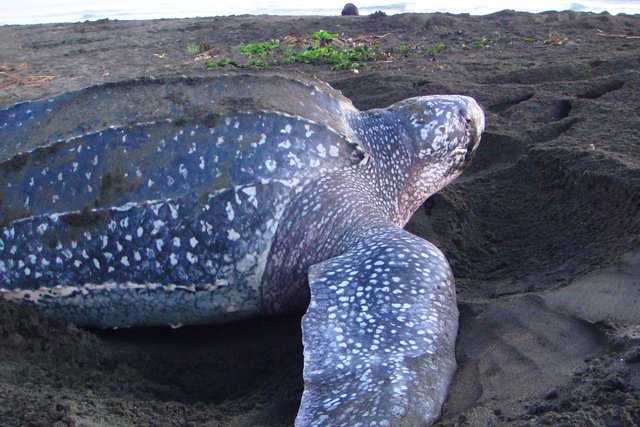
x=46 y=11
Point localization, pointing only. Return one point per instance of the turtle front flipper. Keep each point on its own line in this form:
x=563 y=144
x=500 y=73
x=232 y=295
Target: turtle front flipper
x=379 y=334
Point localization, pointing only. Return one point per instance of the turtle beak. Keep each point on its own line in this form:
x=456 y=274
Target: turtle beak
x=474 y=118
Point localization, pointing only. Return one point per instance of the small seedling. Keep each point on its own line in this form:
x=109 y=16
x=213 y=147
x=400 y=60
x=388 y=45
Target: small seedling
x=288 y=56
x=259 y=49
x=404 y=49
x=481 y=43
x=323 y=37
x=435 y=49
x=196 y=48
x=220 y=63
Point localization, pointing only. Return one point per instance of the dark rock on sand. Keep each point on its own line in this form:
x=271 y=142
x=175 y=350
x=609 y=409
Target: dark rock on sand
x=350 y=9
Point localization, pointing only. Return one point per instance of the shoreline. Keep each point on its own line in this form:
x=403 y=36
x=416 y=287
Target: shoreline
x=364 y=12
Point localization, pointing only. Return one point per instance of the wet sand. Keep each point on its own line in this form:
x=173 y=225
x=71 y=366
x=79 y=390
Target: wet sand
x=543 y=231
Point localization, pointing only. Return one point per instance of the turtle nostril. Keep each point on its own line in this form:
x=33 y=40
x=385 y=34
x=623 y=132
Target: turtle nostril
x=464 y=113
x=472 y=130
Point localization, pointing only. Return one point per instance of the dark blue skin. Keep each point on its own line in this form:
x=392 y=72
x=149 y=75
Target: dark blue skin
x=241 y=212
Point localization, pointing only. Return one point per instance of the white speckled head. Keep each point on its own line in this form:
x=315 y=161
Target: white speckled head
x=443 y=133
x=441 y=128
x=420 y=145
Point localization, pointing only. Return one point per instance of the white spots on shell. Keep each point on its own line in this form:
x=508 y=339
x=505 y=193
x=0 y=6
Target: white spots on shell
x=157 y=226
x=251 y=193
x=308 y=131
x=270 y=165
x=230 y=212
x=174 y=210
x=183 y=170
x=287 y=129
x=232 y=235
x=42 y=228
x=286 y=144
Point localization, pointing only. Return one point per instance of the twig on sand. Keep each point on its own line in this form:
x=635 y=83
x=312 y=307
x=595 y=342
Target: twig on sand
x=616 y=36
x=9 y=77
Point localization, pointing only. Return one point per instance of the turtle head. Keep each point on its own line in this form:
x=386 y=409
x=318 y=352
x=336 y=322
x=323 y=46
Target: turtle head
x=439 y=135
x=443 y=133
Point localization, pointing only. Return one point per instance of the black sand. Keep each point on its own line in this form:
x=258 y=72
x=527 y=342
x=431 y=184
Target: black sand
x=543 y=231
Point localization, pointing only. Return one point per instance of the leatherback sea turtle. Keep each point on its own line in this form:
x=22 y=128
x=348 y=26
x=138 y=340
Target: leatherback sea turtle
x=196 y=200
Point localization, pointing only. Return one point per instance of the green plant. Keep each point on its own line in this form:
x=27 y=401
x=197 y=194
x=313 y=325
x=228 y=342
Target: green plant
x=195 y=48
x=320 y=48
x=289 y=56
x=258 y=52
x=339 y=59
x=220 y=63
x=404 y=49
x=481 y=43
x=435 y=49
x=255 y=62
x=529 y=40
x=259 y=49
x=323 y=37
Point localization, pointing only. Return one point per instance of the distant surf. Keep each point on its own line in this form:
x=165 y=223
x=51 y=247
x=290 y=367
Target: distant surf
x=46 y=11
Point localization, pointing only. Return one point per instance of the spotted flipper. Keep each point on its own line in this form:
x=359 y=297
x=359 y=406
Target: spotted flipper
x=379 y=334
